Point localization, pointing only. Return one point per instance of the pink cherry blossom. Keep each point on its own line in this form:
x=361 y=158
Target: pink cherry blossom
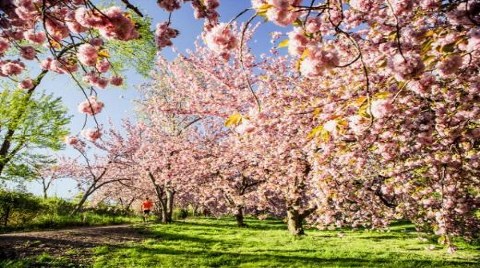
x=71 y=140
x=103 y=66
x=297 y=42
x=116 y=80
x=28 y=52
x=87 y=54
x=73 y=25
x=4 y=45
x=12 y=68
x=362 y=5
x=91 y=134
x=381 y=108
x=27 y=84
x=38 y=37
x=96 y=42
x=169 y=5
x=91 y=106
x=406 y=66
x=450 y=65
x=96 y=80
x=318 y=61
x=118 y=26
x=221 y=39
x=163 y=35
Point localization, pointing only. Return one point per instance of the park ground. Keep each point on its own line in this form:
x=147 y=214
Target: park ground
x=207 y=242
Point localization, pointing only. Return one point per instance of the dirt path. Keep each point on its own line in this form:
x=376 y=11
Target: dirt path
x=74 y=244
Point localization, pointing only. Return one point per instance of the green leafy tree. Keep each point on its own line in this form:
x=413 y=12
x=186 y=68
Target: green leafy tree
x=28 y=123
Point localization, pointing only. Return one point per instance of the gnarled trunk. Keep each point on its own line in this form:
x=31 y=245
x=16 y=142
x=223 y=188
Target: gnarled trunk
x=165 y=204
x=162 y=206
x=239 y=217
x=163 y=211
x=295 y=220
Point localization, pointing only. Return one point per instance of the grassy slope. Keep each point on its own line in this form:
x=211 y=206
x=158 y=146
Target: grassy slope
x=217 y=243
x=53 y=221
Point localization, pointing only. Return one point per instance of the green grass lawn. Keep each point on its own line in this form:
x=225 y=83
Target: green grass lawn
x=219 y=243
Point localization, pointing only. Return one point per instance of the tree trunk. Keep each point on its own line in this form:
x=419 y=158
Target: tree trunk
x=44 y=188
x=194 y=210
x=294 y=221
x=129 y=205
x=85 y=196
x=164 y=213
x=5 y=154
x=6 y=215
x=239 y=217
x=79 y=207
x=161 y=200
x=162 y=209
x=205 y=211
x=169 y=205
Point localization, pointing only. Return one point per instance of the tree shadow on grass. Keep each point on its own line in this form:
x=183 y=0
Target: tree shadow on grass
x=231 y=224
x=168 y=236
x=281 y=258
x=386 y=237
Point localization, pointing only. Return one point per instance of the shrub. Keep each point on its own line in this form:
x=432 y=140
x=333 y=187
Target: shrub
x=17 y=208
x=180 y=214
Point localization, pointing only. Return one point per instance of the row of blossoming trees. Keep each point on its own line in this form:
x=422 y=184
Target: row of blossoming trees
x=372 y=116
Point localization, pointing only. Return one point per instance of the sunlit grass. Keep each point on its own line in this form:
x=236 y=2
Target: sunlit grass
x=219 y=243
x=42 y=260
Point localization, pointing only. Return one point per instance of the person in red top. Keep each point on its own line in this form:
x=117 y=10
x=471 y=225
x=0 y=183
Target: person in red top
x=147 y=206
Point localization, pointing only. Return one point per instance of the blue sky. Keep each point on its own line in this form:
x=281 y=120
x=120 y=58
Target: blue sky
x=119 y=102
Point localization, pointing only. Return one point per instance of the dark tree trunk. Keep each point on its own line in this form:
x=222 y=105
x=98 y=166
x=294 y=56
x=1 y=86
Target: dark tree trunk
x=165 y=200
x=6 y=215
x=4 y=149
x=206 y=212
x=85 y=196
x=164 y=214
x=294 y=221
x=239 y=217
x=45 y=189
x=80 y=204
x=129 y=205
x=162 y=209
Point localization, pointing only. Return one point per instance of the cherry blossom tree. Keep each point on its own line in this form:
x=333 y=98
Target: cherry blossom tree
x=385 y=97
x=373 y=115
x=396 y=123
x=93 y=171
x=282 y=161
x=226 y=178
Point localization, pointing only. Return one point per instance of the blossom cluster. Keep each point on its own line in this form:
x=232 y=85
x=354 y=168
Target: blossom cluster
x=163 y=35
x=221 y=40
x=91 y=106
